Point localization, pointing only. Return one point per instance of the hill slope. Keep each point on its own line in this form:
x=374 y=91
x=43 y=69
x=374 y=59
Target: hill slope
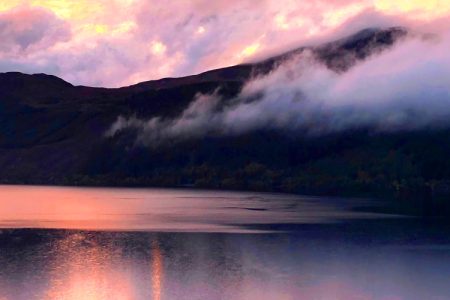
x=54 y=133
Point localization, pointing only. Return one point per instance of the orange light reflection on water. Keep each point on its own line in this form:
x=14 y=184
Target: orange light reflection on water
x=84 y=270
x=157 y=270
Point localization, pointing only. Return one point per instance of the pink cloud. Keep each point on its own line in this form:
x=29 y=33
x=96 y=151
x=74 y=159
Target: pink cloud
x=24 y=30
x=192 y=36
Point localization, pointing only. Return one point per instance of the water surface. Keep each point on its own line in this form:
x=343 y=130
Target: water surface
x=88 y=243
x=164 y=209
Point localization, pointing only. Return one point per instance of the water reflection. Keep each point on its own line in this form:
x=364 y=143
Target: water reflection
x=81 y=269
x=359 y=261
x=157 y=270
x=164 y=210
x=306 y=248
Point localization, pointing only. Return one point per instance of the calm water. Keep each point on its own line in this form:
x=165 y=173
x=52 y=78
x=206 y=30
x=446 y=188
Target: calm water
x=85 y=243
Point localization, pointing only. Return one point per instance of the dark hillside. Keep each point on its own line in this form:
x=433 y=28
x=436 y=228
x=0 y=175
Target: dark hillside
x=54 y=133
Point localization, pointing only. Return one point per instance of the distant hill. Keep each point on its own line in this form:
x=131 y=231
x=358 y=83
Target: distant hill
x=52 y=132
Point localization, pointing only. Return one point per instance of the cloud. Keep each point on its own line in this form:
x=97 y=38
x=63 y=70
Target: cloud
x=234 y=31
x=201 y=118
x=24 y=30
x=114 y=43
x=404 y=88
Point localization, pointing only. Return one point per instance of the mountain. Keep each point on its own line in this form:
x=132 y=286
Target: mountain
x=52 y=132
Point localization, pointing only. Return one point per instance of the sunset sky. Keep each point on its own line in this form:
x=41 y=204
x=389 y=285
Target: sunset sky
x=120 y=42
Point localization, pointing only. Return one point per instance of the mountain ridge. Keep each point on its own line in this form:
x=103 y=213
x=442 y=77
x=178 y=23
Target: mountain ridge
x=389 y=34
x=53 y=132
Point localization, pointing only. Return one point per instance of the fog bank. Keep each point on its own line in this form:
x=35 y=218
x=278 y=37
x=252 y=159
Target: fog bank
x=406 y=87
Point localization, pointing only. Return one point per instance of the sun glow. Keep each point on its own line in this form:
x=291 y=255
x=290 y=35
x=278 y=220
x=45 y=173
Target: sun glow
x=421 y=9
x=250 y=50
x=95 y=15
x=280 y=22
x=7 y=5
x=338 y=16
x=124 y=27
x=200 y=30
x=97 y=28
x=71 y=10
x=158 y=48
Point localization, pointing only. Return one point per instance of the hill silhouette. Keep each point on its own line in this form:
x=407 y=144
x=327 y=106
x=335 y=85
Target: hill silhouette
x=52 y=132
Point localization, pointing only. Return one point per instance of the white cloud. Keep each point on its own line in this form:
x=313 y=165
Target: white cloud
x=403 y=88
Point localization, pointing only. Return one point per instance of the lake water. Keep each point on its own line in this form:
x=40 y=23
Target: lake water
x=101 y=243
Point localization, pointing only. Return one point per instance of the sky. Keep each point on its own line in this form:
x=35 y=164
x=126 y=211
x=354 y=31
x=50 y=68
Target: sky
x=115 y=43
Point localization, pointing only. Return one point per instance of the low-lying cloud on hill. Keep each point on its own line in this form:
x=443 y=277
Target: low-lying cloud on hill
x=404 y=88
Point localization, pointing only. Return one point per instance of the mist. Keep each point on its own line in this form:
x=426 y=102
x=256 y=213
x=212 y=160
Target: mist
x=404 y=88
